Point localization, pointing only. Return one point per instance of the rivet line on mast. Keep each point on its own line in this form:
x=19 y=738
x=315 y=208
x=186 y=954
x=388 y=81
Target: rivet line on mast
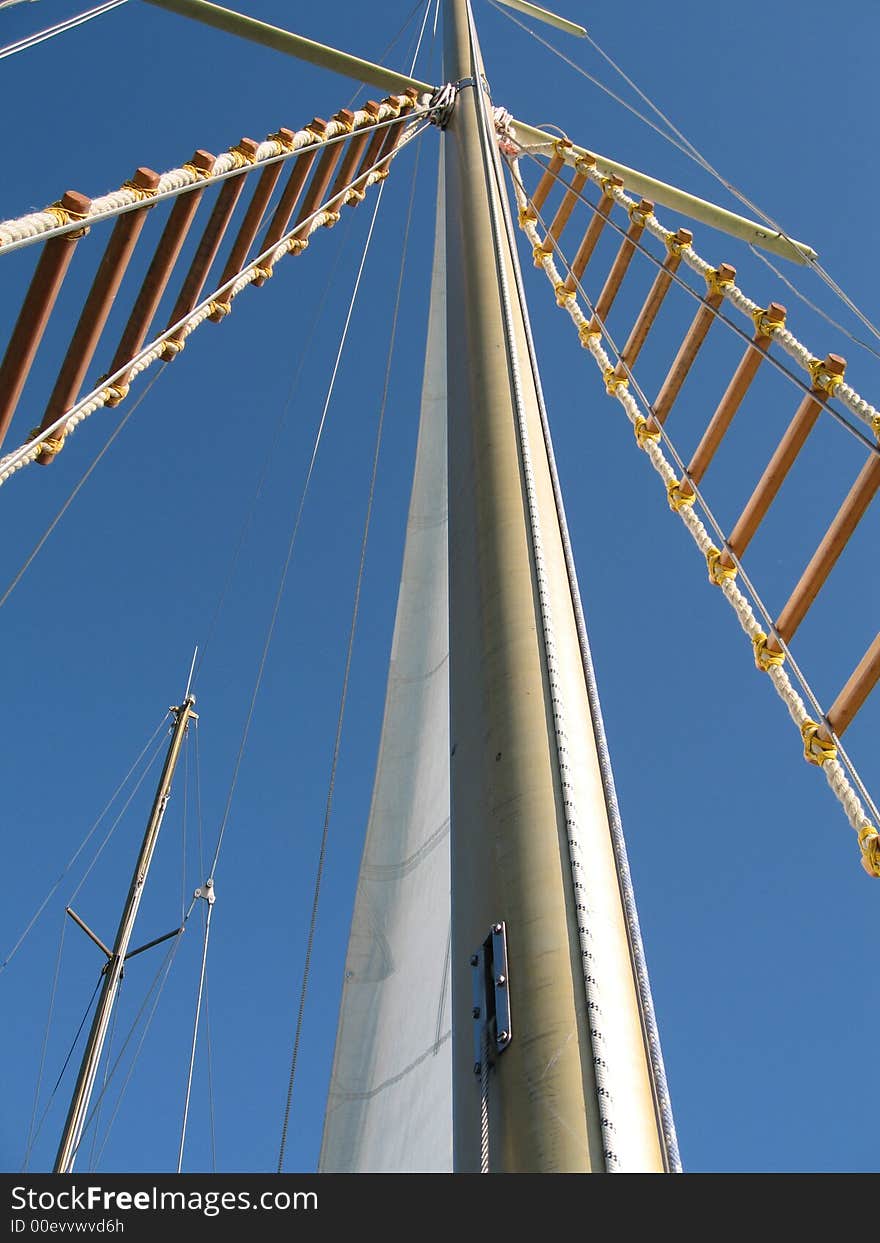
x=666 y=1120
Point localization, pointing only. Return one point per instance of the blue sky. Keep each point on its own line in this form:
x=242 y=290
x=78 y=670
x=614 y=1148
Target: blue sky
x=757 y=918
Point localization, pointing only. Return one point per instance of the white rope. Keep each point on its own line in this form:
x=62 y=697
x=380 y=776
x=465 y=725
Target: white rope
x=847 y=395
x=50 y=222
x=98 y=397
x=22 y=45
x=833 y=770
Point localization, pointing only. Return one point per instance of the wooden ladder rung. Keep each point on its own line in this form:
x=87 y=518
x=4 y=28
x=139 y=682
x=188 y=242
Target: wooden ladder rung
x=253 y=218
x=592 y=235
x=861 y=682
x=98 y=304
x=653 y=302
x=731 y=401
x=548 y=180
x=302 y=166
x=378 y=144
x=566 y=207
x=353 y=153
x=321 y=178
x=621 y=263
x=209 y=243
x=159 y=272
x=395 y=131
x=823 y=560
x=39 y=300
x=780 y=464
x=690 y=346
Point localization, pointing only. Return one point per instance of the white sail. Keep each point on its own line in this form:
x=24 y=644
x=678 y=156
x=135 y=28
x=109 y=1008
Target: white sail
x=389 y=1106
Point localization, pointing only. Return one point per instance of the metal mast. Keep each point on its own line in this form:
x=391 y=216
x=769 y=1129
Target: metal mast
x=524 y=757
x=79 y=1104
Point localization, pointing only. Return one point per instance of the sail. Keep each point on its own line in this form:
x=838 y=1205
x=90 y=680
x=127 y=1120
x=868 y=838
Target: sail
x=389 y=1106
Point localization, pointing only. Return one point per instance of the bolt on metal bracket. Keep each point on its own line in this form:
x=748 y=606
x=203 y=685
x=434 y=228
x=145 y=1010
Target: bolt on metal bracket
x=491 y=992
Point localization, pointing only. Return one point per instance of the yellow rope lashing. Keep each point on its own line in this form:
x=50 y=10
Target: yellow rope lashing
x=816 y=750
x=823 y=378
x=613 y=381
x=718 y=573
x=678 y=499
x=716 y=284
x=564 y=295
x=869 y=842
x=764 y=658
x=644 y=433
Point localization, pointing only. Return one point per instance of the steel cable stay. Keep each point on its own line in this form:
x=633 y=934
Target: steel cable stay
x=678 y=140
x=31 y=1138
x=345 y=682
x=650 y=431
x=270 y=455
x=116 y=432
x=41 y=36
x=93 y=828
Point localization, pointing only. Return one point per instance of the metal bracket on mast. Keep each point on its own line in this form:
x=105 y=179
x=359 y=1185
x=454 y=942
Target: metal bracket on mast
x=491 y=1010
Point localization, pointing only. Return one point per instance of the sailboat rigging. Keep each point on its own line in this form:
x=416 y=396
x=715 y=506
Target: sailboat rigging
x=84 y=591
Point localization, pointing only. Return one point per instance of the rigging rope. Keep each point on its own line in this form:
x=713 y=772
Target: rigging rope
x=70 y=499
x=22 y=45
x=290 y=243
x=292 y=541
x=590 y=339
x=345 y=679
x=195 y=1035
x=31 y=1137
x=165 y=966
x=91 y=832
x=269 y=458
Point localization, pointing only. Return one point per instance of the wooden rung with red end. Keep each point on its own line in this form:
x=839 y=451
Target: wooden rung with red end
x=209 y=244
x=621 y=263
x=159 y=272
x=592 y=235
x=653 y=302
x=302 y=166
x=98 y=304
x=823 y=560
x=548 y=180
x=253 y=218
x=731 y=401
x=315 y=195
x=353 y=154
x=563 y=213
x=690 y=347
x=37 y=307
x=395 y=131
x=382 y=145
x=780 y=464
x=318 y=186
x=861 y=682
